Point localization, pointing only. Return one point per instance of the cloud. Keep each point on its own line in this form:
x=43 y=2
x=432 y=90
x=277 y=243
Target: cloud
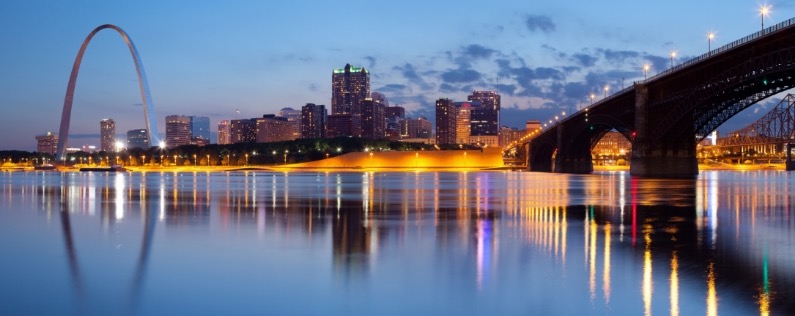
x=137 y=104
x=394 y=88
x=584 y=60
x=477 y=51
x=447 y=88
x=410 y=72
x=507 y=89
x=313 y=87
x=461 y=75
x=370 y=61
x=540 y=23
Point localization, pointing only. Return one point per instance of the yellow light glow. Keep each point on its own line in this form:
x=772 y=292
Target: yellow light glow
x=711 y=35
x=765 y=10
x=673 y=54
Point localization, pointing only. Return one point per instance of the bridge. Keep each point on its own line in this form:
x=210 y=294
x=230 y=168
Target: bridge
x=767 y=136
x=666 y=115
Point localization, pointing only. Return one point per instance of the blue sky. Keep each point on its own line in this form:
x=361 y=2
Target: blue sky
x=209 y=58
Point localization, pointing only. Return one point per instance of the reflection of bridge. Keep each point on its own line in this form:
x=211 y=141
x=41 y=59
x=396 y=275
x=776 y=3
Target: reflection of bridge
x=666 y=114
x=768 y=135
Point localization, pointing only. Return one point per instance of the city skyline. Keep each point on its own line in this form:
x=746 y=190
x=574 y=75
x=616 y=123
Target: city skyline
x=541 y=57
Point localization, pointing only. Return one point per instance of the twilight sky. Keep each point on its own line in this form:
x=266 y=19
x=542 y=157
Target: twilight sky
x=210 y=58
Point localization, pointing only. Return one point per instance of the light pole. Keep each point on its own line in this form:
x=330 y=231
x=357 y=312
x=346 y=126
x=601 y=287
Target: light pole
x=285 y=156
x=592 y=97
x=607 y=88
x=673 y=55
x=763 y=11
x=208 y=160
x=710 y=37
x=646 y=71
x=194 y=160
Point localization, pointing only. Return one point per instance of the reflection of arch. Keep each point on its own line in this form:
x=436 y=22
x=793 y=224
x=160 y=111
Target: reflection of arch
x=150 y=221
x=146 y=98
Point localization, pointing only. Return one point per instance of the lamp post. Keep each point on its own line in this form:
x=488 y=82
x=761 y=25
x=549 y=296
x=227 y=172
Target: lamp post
x=763 y=11
x=673 y=55
x=646 y=71
x=710 y=37
x=285 y=156
x=194 y=160
x=592 y=97
x=607 y=88
x=175 y=160
x=208 y=160
x=143 y=160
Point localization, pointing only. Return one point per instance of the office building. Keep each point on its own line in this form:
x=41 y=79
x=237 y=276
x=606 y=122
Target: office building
x=350 y=86
x=463 y=121
x=509 y=135
x=343 y=125
x=294 y=118
x=107 y=134
x=137 y=138
x=445 y=122
x=313 y=121
x=224 y=133
x=271 y=128
x=178 y=131
x=200 y=127
x=373 y=118
x=485 y=119
x=47 y=143
x=532 y=126
x=394 y=115
x=243 y=131
x=395 y=111
x=415 y=128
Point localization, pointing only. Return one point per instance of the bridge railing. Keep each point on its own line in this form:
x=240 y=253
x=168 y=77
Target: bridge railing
x=775 y=28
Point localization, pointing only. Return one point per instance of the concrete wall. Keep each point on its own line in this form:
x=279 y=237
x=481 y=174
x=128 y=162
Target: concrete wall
x=445 y=159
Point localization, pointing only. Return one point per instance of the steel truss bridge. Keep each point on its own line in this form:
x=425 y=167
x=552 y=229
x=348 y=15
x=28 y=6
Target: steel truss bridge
x=770 y=134
x=664 y=114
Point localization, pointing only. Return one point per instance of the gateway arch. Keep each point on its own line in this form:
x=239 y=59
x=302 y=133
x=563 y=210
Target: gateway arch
x=146 y=98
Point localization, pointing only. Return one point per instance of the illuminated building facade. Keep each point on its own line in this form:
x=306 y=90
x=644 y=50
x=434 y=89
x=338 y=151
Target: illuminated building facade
x=508 y=135
x=271 y=128
x=463 y=121
x=47 y=143
x=294 y=118
x=394 y=115
x=178 y=131
x=137 y=138
x=373 y=119
x=107 y=134
x=445 y=122
x=532 y=126
x=243 y=131
x=224 y=132
x=350 y=86
x=485 y=119
x=612 y=144
x=313 y=121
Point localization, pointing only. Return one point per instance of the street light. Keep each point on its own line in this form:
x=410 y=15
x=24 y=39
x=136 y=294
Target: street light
x=710 y=37
x=763 y=11
x=646 y=68
x=194 y=160
x=673 y=55
x=285 y=156
x=607 y=88
x=592 y=97
x=208 y=160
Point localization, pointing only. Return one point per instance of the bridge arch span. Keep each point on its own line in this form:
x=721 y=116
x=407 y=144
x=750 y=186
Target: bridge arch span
x=143 y=84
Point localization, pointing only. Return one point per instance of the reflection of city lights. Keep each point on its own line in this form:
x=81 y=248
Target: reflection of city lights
x=674 y=285
x=647 y=286
x=712 y=293
x=606 y=271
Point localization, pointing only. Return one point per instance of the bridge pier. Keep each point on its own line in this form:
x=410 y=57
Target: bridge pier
x=572 y=157
x=674 y=158
x=790 y=153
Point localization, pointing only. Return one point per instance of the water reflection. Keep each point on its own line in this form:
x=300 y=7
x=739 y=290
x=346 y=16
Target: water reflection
x=469 y=230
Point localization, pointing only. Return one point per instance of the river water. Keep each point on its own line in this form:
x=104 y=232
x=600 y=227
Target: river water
x=396 y=243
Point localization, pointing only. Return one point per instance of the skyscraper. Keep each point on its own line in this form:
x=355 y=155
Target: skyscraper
x=178 y=130
x=373 y=118
x=463 y=121
x=313 y=121
x=138 y=138
x=224 y=134
x=415 y=128
x=486 y=118
x=200 y=127
x=445 y=122
x=349 y=87
x=107 y=134
x=294 y=118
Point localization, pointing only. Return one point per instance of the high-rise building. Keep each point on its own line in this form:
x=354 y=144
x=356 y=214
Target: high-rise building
x=394 y=115
x=445 y=122
x=341 y=125
x=107 y=134
x=224 y=133
x=486 y=118
x=138 y=138
x=200 y=127
x=178 y=130
x=47 y=143
x=349 y=87
x=415 y=128
x=294 y=117
x=463 y=121
x=373 y=118
x=313 y=121
x=532 y=126
x=272 y=128
x=243 y=131
x=509 y=135
x=379 y=97
x=395 y=111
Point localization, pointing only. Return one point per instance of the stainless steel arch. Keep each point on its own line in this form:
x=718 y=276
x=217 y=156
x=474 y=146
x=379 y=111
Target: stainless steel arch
x=146 y=98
